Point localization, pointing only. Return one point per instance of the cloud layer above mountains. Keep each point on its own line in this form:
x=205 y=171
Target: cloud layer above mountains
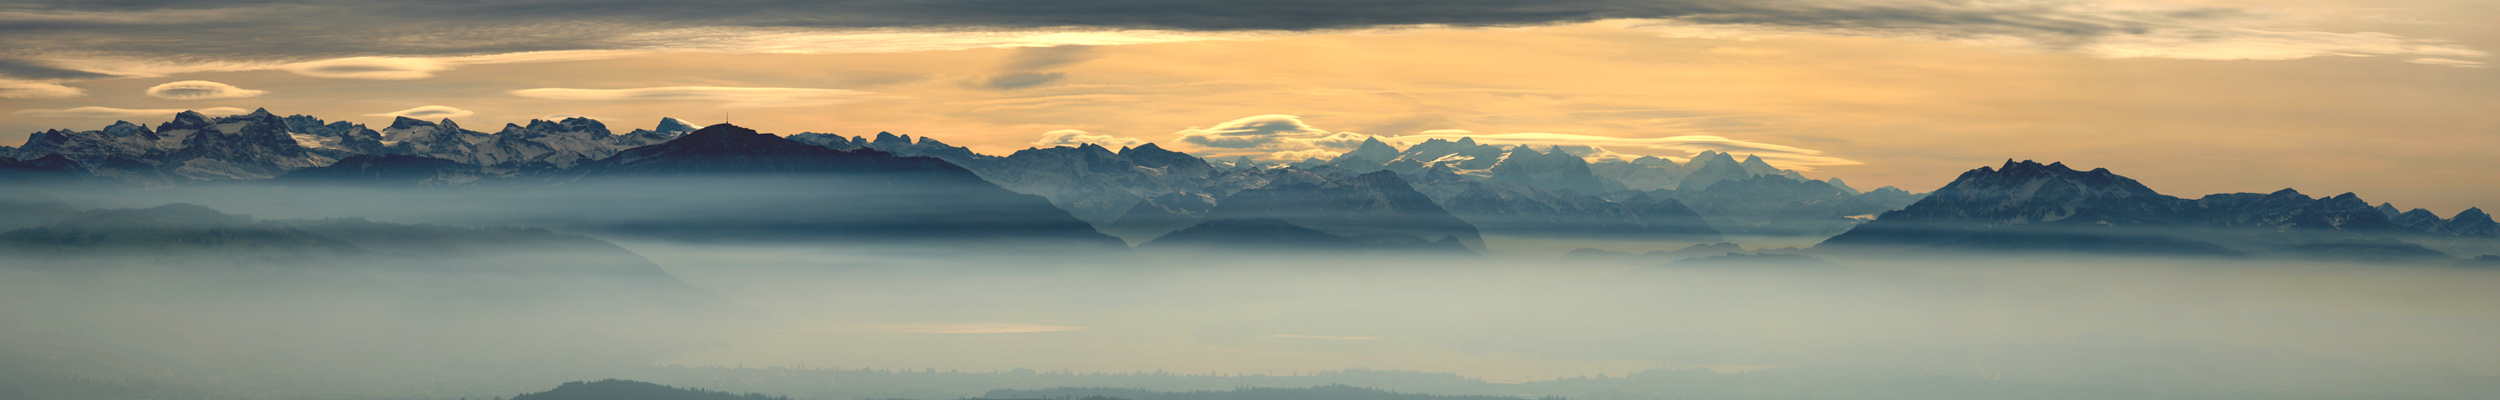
x=428 y=112
x=200 y=90
x=372 y=39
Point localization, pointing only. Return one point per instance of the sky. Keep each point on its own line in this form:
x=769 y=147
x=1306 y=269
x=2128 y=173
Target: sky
x=2395 y=101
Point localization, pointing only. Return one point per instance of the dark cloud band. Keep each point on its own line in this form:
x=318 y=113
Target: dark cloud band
x=314 y=30
x=345 y=28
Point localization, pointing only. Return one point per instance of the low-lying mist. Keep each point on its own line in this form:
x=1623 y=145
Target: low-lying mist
x=627 y=281
x=2167 y=325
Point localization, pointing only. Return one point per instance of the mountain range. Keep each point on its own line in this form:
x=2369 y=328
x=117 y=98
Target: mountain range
x=262 y=145
x=1438 y=189
x=1138 y=193
x=727 y=182
x=2029 y=206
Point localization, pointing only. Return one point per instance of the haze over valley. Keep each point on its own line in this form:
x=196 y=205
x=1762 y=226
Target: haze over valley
x=263 y=256
x=1249 y=200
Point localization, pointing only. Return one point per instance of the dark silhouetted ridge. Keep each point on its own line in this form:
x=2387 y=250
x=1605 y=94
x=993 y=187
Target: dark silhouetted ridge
x=2027 y=206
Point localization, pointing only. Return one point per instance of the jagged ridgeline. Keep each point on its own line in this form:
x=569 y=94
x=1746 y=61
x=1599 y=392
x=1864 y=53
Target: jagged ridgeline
x=719 y=183
x=1144 y=192
x=2030 y=207
x=730 y=183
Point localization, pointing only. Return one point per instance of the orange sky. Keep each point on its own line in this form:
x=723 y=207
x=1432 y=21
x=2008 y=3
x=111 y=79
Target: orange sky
x=2323 y=101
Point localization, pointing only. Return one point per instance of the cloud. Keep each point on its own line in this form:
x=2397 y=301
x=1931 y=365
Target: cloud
x=1320 y=337
x=1599 y=147
x=2090 y=28
x=94 y=112
x=1041 y=58
x=794 y=40
x=2233 y=43
x=114 y=17
x=200 y=90
x=2447 y=62
x=428 y=112
x=1022 y=80
x=378 y=39
x=10 y=89
x=977 y=328
x=1073 y=138
x=1299 y=155
x=386 y=68
x=1268 y=132
x=738 y=97
x=29 y=70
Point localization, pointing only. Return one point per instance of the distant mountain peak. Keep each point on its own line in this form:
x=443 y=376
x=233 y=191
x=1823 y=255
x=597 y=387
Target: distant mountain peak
x=119 y=126
x=1147 y=148
x=891 y=139
x=1372 y=151
x=403 y=122
x=723 y=131
x=184 y=120
x=674 y=125
x=2029 y=167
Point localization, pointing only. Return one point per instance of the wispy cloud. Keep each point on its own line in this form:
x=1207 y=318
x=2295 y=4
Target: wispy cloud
x=374 y=39
x=428 y=112
x=1299 y=155
x=30 y=70
x=1319 y=337
x=2098 y=29
x=389 y=68
x=1073 y=138
x=1684 y=145
x=96 y=112
x=13 y=89
x=1271 y=135
x=737 y=97
x=793 y=40
x=973 y=328
x=2447 y=62
x=200 y=90
x=1289 y=138
x=117 y=17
